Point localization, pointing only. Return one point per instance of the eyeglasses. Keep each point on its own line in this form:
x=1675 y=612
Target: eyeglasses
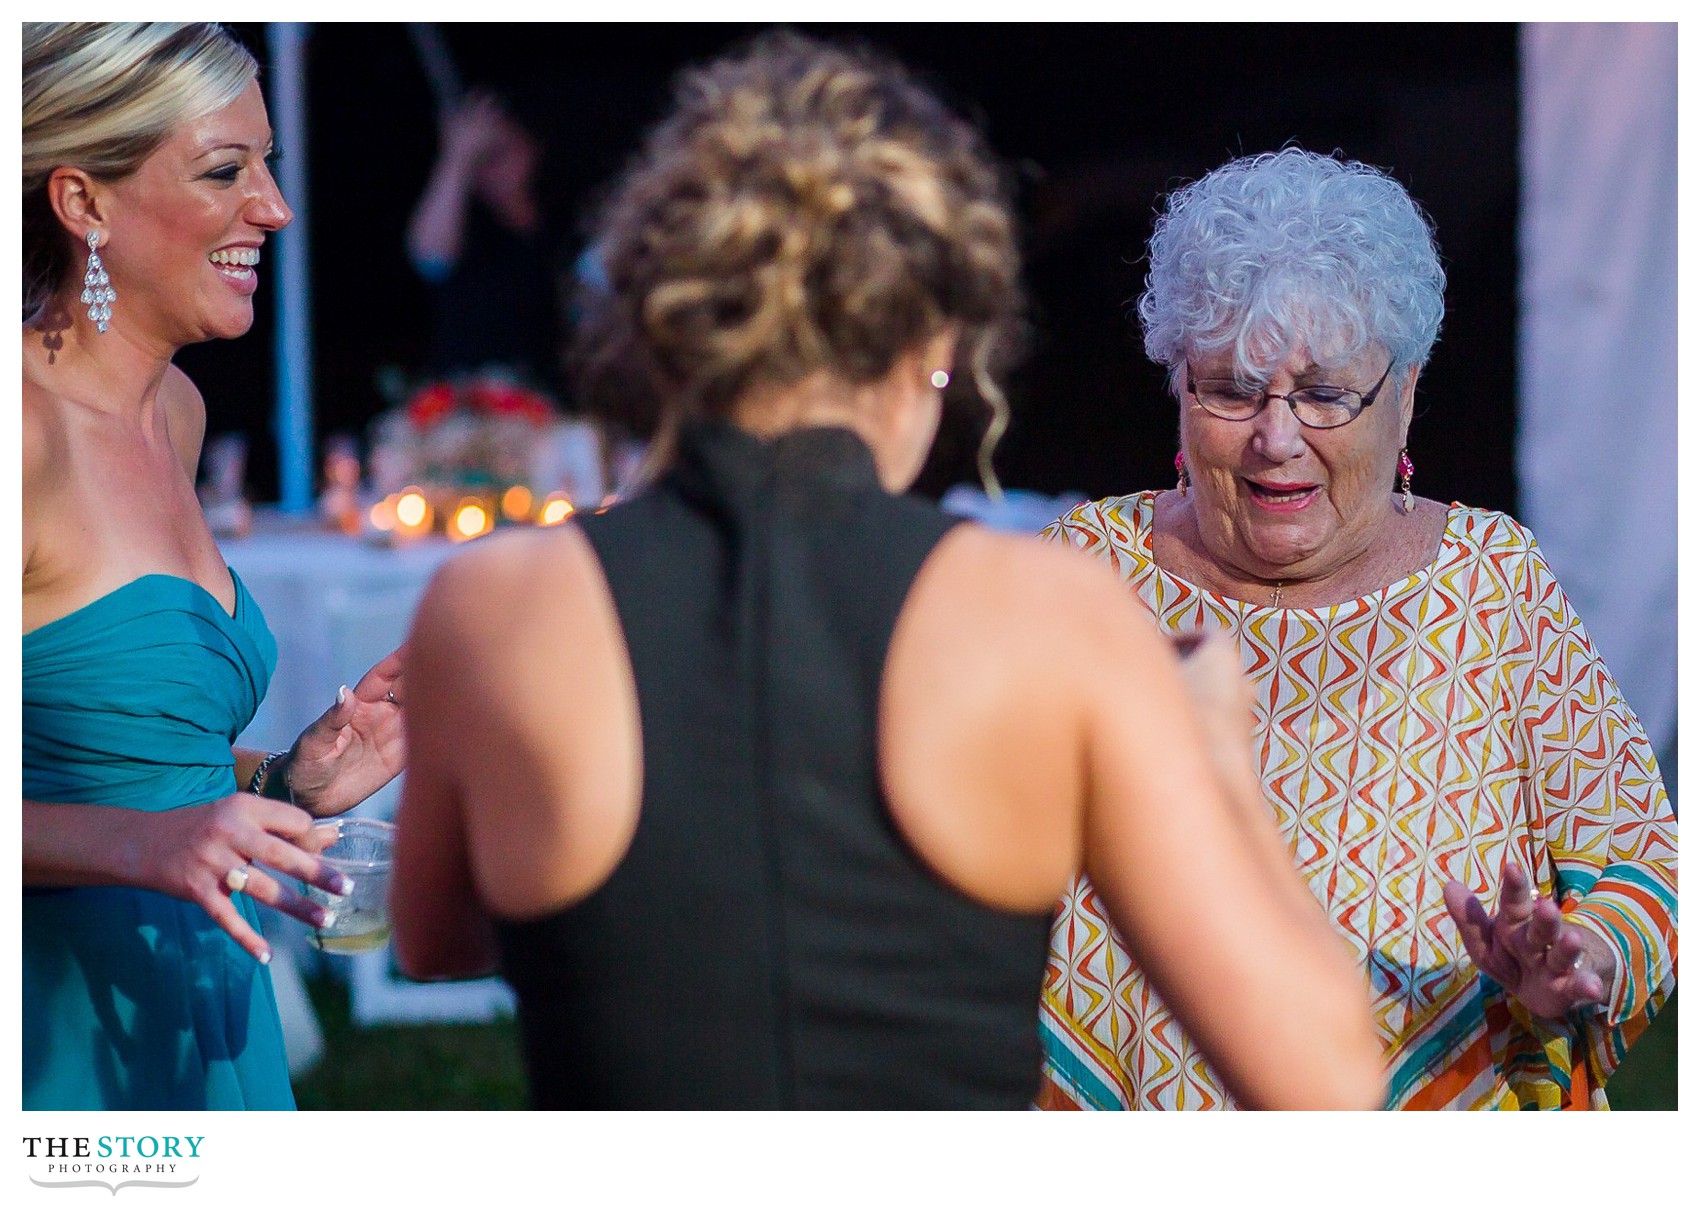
x=1317 y=407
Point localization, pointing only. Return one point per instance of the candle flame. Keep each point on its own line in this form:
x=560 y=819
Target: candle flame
x=516 y=503
x=412 y=510
x=557 y=508
x=471 y=519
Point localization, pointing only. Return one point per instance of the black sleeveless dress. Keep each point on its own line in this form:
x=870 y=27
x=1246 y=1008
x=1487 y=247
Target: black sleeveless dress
x=770 y=940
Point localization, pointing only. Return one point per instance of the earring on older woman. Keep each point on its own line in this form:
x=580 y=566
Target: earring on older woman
x=1180 y=471
x=97 y=287
x=1406 y=467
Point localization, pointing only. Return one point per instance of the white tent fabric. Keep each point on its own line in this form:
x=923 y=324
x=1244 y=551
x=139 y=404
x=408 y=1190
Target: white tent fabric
x=1596 y=451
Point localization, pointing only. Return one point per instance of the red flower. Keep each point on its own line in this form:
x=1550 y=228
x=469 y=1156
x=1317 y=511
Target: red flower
x=431 y=404
x=499 y=399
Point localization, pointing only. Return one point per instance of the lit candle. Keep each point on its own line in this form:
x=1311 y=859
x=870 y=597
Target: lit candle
x=470 y=520
x=412 y=513
x=557 y=508
x=382 y=515
x=516 y=503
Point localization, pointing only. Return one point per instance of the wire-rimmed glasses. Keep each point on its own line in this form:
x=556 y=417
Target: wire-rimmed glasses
x=1318 y=406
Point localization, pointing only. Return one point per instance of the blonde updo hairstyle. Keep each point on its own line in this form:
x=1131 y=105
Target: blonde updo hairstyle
x=804 y=208
x=101 y=96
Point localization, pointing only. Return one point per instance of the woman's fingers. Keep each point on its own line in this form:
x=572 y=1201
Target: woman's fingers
x=1526 y=946
x=219 y=906
x=291 y=860
x=269 y=890
x=272 y=866
x=1186 y=642
x=1586 y=989
x=1474 y=925
x=1562 y=957
x=1516 y=894
x=382 y=677
x=274 y=817
x=1545 y=924
x=323 y=732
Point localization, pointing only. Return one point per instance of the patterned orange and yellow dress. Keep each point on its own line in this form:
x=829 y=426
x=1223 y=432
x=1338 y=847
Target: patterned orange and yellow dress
x=1420 y=734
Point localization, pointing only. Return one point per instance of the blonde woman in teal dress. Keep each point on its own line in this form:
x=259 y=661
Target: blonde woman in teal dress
x=147 y=199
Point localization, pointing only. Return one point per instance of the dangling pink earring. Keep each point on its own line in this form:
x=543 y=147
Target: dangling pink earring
x=1180 y=470
x=1406 y=467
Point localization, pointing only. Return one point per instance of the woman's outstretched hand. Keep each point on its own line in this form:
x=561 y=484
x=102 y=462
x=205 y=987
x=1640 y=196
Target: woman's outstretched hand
x=355 y=747
x=207 y=853
x=1550 y=965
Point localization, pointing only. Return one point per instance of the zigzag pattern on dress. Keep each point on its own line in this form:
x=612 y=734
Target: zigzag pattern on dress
x=1419 y=734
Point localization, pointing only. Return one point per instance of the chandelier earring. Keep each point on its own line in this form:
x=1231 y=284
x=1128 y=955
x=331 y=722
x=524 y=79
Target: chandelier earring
x=97 y=287
x=1406 y=467
x=1182 y=480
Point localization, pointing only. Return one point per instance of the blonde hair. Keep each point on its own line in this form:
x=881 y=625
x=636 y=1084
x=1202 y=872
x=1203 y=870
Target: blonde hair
x=101 y=96
x=804 y=208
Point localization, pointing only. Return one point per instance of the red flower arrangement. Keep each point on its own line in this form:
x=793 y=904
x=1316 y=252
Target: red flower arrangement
x=486 y=397
x=480 y=433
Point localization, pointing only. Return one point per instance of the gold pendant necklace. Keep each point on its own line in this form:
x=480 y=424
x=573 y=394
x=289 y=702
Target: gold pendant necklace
x=1278 y=585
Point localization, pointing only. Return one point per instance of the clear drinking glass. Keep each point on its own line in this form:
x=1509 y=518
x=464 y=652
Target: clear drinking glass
x=363 y=851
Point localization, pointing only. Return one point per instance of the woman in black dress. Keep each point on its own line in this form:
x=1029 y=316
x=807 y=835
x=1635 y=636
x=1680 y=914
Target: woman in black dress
x=761 y=787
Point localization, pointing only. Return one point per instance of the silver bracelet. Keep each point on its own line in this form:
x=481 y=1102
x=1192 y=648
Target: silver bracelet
x=259 y=779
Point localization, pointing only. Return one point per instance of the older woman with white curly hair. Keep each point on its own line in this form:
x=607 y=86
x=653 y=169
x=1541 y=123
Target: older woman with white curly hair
x=1433 y=727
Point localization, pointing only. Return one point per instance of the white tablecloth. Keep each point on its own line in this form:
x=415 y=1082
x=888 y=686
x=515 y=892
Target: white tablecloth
x=336 y=605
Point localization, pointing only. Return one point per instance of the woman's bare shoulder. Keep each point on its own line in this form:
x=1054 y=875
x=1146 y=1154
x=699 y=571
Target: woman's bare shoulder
x=499 y=589
x=554 y=556
x=1031 y=572
x=1037 y=598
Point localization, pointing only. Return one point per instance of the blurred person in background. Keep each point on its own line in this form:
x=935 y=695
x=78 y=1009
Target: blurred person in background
x=761 y=785
x=1434 y=728
x=477 y=238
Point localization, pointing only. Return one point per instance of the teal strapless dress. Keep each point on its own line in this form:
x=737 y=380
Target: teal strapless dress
x=133 y=999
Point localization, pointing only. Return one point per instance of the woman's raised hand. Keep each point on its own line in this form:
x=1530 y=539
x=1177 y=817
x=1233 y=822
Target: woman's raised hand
x=470 y=130
x=1550 y=965
x=355 y=747
x=207 y=853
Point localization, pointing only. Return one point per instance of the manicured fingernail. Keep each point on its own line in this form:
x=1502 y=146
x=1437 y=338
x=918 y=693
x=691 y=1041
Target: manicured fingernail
x=265 y=957
x=341 y=695
x=344 y=886
x=327 y=918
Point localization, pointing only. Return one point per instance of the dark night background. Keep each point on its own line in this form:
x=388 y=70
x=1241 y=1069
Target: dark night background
x=1097 y=121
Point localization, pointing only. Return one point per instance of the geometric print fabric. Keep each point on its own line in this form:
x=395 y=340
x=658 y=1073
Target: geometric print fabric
x=1422 y=733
